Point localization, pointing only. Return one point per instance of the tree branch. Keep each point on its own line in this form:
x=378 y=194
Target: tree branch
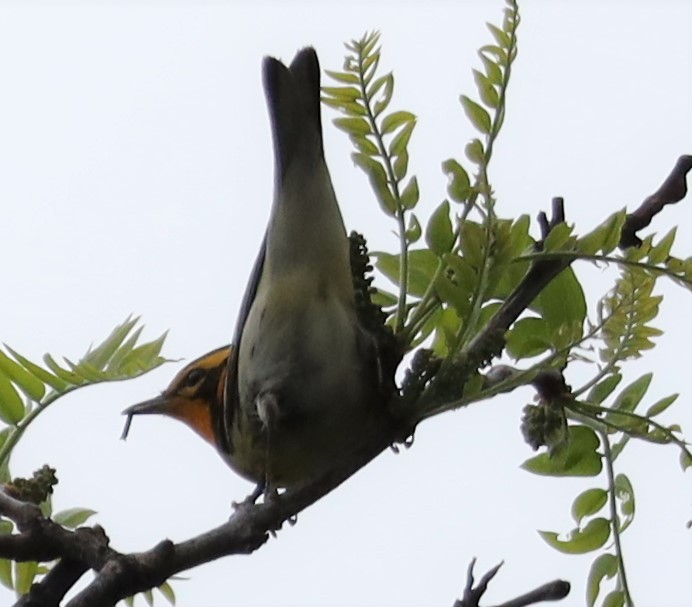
x=672 y=190
x=53 y=587
x=119 y=575
x=552 y=591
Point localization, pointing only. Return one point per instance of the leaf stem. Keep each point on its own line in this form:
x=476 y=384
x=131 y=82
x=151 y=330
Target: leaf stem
x=670 y=436
x=22 y=425
x=576 y=256
x=614 y=518
x=394 y=186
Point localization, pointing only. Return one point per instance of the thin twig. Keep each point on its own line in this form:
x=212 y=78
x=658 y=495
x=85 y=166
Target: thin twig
x=672 y=190
x=552 y=591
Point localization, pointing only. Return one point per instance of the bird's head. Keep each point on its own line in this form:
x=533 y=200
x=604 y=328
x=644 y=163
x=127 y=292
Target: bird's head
x=195 y=396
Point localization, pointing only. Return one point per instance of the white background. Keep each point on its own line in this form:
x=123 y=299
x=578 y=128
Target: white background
x=136 y=176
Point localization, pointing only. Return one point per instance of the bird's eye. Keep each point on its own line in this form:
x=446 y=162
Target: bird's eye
x=193 y=378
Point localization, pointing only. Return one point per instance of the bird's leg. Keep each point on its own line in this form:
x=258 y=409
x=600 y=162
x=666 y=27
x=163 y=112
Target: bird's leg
x=268 y=412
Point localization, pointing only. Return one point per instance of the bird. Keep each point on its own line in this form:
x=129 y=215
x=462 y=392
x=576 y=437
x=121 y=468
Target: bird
x=300 y=386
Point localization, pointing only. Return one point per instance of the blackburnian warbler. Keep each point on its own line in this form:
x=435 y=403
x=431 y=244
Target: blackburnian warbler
x=300 y=386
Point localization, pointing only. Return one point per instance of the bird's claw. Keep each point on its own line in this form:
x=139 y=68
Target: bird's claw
x=250 y=500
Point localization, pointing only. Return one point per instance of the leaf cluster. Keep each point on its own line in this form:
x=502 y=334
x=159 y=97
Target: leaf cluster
x=27 y=389
x=456 y=272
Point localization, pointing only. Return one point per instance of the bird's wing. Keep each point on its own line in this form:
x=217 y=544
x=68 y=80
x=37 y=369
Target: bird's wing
x=230 y=399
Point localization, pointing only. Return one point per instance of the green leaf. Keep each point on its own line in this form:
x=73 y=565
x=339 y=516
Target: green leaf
x=446 y=329
x=45 y=376
x=472 y=242
x=377 y=85
x=378 y=181
x=24 y=574
x=558 y=237
x=660 y=406
x=401 y=166
x=410 y=195
x=463 y=274
x=603 y=389
x=73 y=517
x=116 y=362
x=354 y=126
x=685 y=460
x=479 y=118
x=581 y=541
x=383 y=103
x=492 y=70
x=528 y=337
x=563 y=306
x=421 y=269
x=616 y=598
x=27 y=382
x=99 y=356
x=400 y=141
x=519 y=235
x=144 y=357
x=605 y=565
x=617 y=448
x=11 y=404
x=579 y=458
x=370 y=65
x=587 y=503
x=347 y=107
x=4 y=463
x=624 y=492
x=487 y=312
x=496 y=51
x=388 y=264
x=87 y=372
x=439 y=235
x=64 y=374
x=474 y=385
x=352 y=108
x=459 y=184
x=661 y=251
x=488 y=93
x=414 y=230
x=343 y=77
x=6 y=573
x=501 y=37
x=393 y=121
x=450 y=292
x=348 y=93
x=605 y=237
x=630 y=396
x=614 y=232
x=364 y=145
x=384 y=299
x=474 y=152
x=368 y=43
x=167 y=591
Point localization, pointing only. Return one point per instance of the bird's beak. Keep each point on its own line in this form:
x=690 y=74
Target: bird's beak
x=160 y=404
x=194 y=412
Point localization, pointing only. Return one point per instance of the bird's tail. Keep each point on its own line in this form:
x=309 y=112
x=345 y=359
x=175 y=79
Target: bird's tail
x=293 y=97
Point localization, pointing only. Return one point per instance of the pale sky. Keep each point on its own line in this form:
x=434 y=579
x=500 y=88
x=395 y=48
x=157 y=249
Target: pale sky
x=136 y=177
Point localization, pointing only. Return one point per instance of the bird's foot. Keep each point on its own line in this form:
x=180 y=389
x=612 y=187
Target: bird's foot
x=251 y=499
